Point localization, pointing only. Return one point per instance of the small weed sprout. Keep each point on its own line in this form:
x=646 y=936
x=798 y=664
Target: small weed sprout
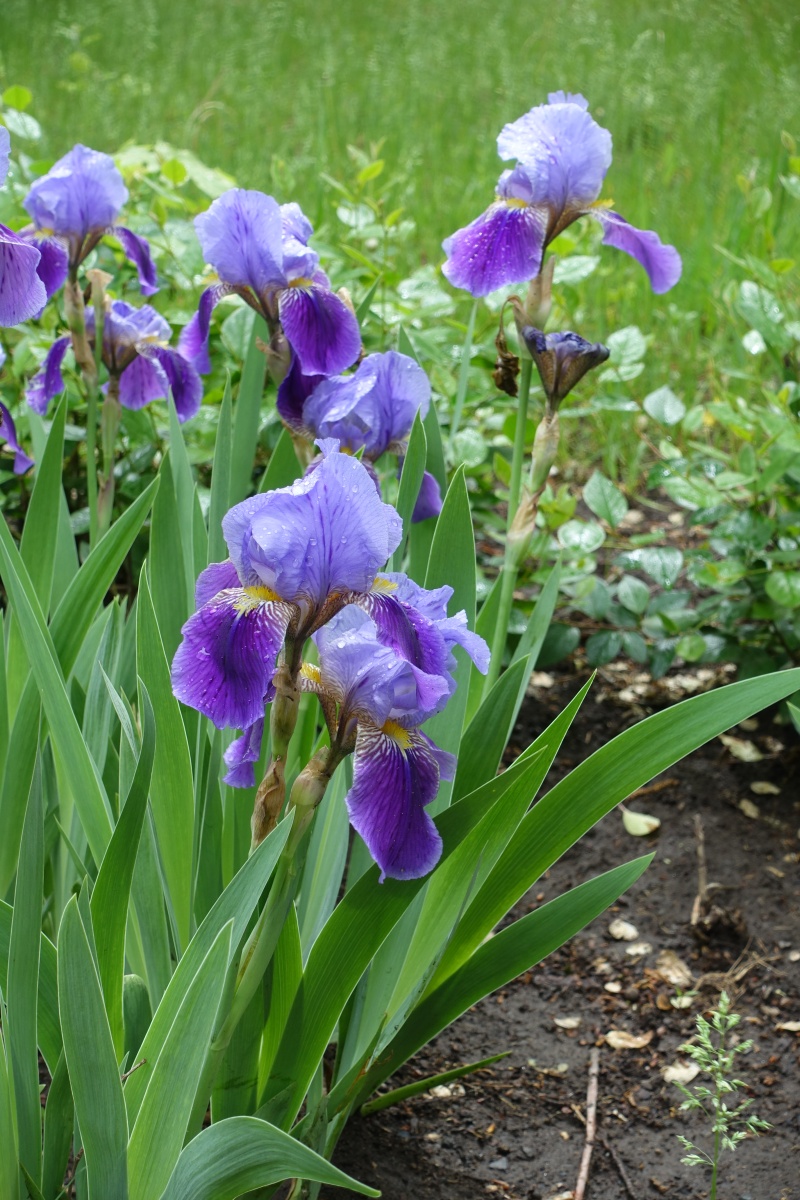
x=715 y=1059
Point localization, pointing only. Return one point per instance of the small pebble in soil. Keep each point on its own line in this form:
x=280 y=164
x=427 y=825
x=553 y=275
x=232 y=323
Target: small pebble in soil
x=499 y=1164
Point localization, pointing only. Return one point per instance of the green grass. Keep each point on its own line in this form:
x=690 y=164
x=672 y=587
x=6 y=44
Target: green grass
x=694 y=92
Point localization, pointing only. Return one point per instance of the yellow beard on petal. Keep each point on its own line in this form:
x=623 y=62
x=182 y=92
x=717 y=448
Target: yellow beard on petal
x=383 y=585
x=311 y=672
x=255 y=596
x=514 y=202
x=398 y=734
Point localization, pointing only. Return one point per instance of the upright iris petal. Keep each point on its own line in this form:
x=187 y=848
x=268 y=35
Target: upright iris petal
x=78 y=201
x=374 y=408
x=562 y=158
x=382 y=699
x=298 y=554
x=259 y=250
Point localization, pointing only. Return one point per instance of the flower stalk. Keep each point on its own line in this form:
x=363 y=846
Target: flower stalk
x=512 y=555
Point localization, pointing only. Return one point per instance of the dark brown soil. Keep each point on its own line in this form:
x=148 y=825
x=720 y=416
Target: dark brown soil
x=515 y=1130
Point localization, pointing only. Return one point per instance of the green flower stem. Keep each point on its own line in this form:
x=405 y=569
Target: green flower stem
x=89 y=365
x=511 y=555
x=308 y=790
x=109 y=427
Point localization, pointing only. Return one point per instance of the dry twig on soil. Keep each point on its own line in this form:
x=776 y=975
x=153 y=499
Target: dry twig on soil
x=591 y=1123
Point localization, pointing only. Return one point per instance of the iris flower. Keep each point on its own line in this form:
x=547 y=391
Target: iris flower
x=29 y=272
x=380 y=702
x=562 y=158
x=140 y=362
x=77 y=203
x=259 y=250
x=297 y=555
x=371 y=410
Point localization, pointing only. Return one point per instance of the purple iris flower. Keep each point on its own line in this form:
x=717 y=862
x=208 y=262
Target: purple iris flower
x=259 y=250
x=381 y=701
x=298 y=555
x=138 y=359
x=29 y=271
x=8 y=430
x=371 y=410
x=77 y=203
x=562 y=158
x=562 y=360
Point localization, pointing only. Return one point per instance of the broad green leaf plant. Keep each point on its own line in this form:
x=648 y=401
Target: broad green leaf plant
x=213 y=999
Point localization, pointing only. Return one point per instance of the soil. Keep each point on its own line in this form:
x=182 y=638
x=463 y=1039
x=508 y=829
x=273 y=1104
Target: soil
x=515 y=1130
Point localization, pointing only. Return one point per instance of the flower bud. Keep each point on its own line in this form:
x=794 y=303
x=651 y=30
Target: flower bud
x=562 y=360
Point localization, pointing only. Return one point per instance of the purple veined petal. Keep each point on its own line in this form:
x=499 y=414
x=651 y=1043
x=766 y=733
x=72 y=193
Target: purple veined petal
x=5 y=150
x=8 y=432
x=368 y=679
x=564 y=152
x=137 y=250
x=142 y=381
x=242 y=755
x=225 y=663
x=661 y=262
x=429 y=499
x=295 y=222
x=328 y=534
x=237 y=525
x=48 y=381
x=430 y=606
x=217 y=577
x=22 y=293
x=320 y=328
x=395 y=775
x=431 y=602
x=82 y=193
x=405 y=630
x=567 y=98
x=374 y=407
x=242 y=238
x=456 y=632
x=53 y=262
x=501 y=247
x=293 y=392
x=193 y=341
x=125 y=327
x=184 y=382
x=447 y=761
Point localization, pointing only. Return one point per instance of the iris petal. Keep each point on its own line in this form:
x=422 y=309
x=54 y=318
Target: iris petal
x=8 y=432
x=193 y=341
x=320 y=328
x=217 y=577
x=563 y=150
x=501 y=247
x=82 y=193
x=242 y=755
x=137 y=249
x=394 y=778
x=225 y=663
x=22 y=293
x=661 y=262
x=429 y=499
x=48 y=380
x=242 y=238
